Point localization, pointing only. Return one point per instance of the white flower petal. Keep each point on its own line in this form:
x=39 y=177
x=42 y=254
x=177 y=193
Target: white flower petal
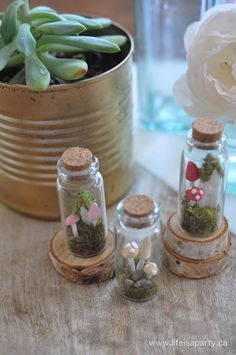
x=182 y=95
x=209 y=86
x=189 y=34
x=234 y=70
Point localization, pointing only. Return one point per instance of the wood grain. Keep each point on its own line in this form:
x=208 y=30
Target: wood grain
x=43 y=313
x=82 y=270
x=193 y=268
x=195 y=247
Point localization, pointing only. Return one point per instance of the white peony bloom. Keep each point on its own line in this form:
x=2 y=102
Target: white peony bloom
x=208 y=88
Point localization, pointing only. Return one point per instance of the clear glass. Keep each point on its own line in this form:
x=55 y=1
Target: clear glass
x=83 y=210
x=137 y=273
x=202 y=186
x=160 y=56
x=230 y=130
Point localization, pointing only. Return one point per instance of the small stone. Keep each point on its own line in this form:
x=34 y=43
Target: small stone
x=137 y=275
x=129 y=283
x=142 y=283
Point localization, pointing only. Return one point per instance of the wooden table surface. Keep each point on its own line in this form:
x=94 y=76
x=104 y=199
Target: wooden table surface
x=43 y=313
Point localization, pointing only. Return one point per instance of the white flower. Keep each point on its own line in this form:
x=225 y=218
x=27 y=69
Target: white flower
x=208 y=88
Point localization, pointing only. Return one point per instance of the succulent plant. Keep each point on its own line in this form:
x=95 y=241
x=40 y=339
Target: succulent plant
x=32 y=38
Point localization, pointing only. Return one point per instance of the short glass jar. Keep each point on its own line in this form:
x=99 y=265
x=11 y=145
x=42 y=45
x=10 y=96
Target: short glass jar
x=82 y=202
x=203 y=178
x=137 y=234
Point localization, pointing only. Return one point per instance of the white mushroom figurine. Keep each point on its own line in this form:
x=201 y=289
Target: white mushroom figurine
x=145 y=252
x=71 y=221
x=212 y=189
x=130 y=251
x=150 y=269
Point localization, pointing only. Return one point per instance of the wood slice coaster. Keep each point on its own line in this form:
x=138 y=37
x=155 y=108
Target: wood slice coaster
x=188 y=246
x=193 y=257
x=82 y=270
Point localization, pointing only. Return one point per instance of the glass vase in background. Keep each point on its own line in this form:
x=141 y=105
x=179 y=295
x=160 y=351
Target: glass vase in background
x=160 y=56
x=230 y=130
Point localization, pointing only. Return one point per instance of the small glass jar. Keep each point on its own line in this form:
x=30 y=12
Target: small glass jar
x=82 y=202
x=137 y=232
x=203 y=178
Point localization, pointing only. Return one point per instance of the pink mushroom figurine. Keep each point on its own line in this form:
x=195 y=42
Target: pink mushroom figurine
x=192 y=172
x=71 y=221
x=94 y=213
x=195 y=194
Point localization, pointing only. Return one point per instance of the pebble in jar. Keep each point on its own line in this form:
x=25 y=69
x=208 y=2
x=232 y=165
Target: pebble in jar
x=137 y=232
x=82 y=202
x=203 y=178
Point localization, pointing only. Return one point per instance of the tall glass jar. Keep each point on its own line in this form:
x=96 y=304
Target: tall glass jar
x=203 y=178
x=137 y=232
x=160 y=56
x=82 y=202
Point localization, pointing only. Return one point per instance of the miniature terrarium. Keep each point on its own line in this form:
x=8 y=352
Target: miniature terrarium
x=203 y=178
x=137 y=231
x=82 y=202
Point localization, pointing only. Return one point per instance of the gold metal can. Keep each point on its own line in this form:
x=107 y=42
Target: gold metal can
x=35 y=129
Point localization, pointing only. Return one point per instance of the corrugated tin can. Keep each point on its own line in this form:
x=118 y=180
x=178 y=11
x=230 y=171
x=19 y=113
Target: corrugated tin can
x=35 y=129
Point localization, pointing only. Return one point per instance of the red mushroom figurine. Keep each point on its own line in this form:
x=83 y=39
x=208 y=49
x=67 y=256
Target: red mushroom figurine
x=195 y=194
x=192 y=172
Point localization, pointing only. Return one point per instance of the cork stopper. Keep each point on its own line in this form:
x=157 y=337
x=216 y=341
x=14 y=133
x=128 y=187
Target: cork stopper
x=76 y=158
x=138 y=206
x=207 y=130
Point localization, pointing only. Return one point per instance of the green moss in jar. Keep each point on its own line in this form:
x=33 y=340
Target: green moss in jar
x=198 y=220
x=86 y=236
x=136 y=285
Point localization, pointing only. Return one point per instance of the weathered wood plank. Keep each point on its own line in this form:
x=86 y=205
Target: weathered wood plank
x=42 y=313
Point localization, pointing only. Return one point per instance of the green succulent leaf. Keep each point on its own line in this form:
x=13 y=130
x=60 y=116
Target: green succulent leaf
x=36 y=74
x=57 y=47
x=120 y=40
x=2 y=44
x=5 y=54
x=40 y=21
x=42 y=8
x=62 y=27
x=66 y=69
x=84 y=42
x=51 y=16
x=25 y=41
x=15 y=60
x=1 y=15
x=104 y=22
x=89 y=23
x=9 y=26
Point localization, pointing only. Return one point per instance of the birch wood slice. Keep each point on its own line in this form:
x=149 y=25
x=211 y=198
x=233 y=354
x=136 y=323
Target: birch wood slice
x=195 y=247
x=189 y=259
x=195 y=269
x=82 y=270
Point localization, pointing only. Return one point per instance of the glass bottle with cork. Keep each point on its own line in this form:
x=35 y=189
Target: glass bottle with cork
x=82 y=202
x=203 y=178
x=137 y=232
